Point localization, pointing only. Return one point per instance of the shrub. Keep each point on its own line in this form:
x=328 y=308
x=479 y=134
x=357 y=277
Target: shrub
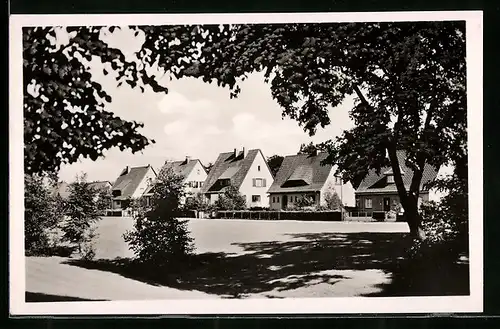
x=196 y=202
x=445 y=223
x=159 y=239
x=332 y=200
x=42 y=213
x=231 y=199
x=304 y=201
x=88 y=250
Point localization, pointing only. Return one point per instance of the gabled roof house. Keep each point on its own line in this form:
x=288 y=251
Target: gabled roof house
x=132 y=183
x=247 y=171
x=192 y=170
x=378 y=192
x=304 y=175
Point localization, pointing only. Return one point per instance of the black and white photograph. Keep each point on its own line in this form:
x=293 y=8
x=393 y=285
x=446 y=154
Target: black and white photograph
x=247 y=163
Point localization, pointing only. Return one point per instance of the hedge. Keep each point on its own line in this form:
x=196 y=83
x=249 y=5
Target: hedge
x=327 y=216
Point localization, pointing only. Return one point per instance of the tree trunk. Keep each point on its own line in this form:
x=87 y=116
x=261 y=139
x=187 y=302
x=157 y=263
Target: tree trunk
x=414 y=219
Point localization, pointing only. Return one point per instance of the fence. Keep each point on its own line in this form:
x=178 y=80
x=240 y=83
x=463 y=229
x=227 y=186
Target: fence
x=328 y=216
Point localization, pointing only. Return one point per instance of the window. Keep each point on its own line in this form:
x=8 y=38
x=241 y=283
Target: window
x=198 y=171
x=338 y=180
x=357 y=203
x=117 y=192
x=296 y=198
x=312 y=197
x=255 y=198
x=225 y=182
x=277 y=199
x=368 y=203
x=390 y=179
x=259 y=182
x=258 y=168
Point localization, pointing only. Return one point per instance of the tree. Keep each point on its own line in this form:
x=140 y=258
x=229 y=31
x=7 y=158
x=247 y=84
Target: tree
x=274 y=163
x=332 y=200
x=159 y=239
x=231 y=199
x=196 y=202
x=42 y=213
x=408 y=79
x=65 y=114
x=104 y=199
x=309 y=149
x=82 y=211
x=209 y=167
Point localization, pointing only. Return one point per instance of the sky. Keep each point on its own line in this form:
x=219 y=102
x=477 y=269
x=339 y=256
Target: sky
x=197 y=119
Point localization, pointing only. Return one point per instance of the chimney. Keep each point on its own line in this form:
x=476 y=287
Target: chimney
x=243 y=152
x=235 y=153
x=188 y=158
x=125 y=171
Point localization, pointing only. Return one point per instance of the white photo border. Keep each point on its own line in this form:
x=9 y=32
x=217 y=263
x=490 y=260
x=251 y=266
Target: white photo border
x=289 y=306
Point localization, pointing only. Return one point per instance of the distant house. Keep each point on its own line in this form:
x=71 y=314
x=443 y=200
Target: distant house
x=101 y=185
x=378 y=192
x=132 y=183
x=193 y=172
x=247 y=171
x=303 y=175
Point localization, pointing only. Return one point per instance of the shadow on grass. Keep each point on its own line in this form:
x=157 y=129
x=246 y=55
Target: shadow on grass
x=262 y=267
x=268 y=266
x=32 y=297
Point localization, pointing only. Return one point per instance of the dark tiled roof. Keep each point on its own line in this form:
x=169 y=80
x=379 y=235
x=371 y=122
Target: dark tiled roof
x=182 y=168
x=235 y=168
x=301 y=173
x=100 y=184
x=127 y=183
x=374 y=183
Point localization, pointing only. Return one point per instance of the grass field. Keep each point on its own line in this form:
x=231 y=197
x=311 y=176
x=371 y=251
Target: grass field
x=235 y=258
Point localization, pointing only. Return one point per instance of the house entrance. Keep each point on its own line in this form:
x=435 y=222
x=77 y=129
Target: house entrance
x=284 y=202
x=387 y=204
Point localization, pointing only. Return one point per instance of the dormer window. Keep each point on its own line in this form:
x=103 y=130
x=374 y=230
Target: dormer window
x=390 y=179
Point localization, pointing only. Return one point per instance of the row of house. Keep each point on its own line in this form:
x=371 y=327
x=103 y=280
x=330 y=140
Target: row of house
x=301 y=175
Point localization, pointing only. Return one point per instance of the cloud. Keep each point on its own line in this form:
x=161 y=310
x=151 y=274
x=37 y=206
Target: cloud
x=212 y=130
x=177 y=103
x=176 y=128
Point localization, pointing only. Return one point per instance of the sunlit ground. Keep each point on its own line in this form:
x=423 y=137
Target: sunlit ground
x=235 y=259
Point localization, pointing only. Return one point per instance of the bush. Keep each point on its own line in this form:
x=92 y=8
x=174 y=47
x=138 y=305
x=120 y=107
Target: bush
x=445 y=223
x=304 y=202
x=159 y=239
x=42 y=214
x=332 y=200
x=196 y=202
x=231 y=199
x=88 y=250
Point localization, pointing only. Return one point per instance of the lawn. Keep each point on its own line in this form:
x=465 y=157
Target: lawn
x=234 y=259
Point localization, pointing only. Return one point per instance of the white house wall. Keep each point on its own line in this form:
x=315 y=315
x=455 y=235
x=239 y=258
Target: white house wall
x=345 y=191
x=197 y=174
x=141 y=188
x=247 y=187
